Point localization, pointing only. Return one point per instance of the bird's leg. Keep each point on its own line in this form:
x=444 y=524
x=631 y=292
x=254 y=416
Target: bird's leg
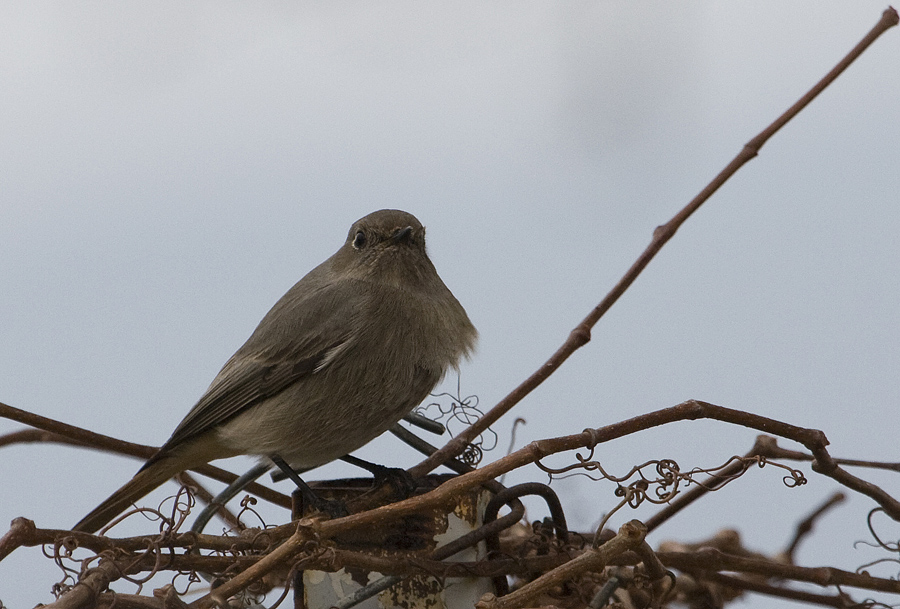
x=398 y=478
x=335 y=509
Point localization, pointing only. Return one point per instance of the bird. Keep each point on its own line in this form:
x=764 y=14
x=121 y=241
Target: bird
x=351 y=348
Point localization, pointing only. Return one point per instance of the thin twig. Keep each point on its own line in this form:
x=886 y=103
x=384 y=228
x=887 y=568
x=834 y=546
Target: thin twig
x=840 y=600
x=200 y=492
x=768 y=447
x=23 y=533
x=90 y=439
x=711 y=559
x=805 y=526
x=581 y=335
x=78 y=434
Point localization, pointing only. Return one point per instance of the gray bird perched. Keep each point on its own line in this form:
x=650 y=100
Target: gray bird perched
x=346 y=353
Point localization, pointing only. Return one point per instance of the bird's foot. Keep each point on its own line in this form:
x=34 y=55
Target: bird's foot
x=403 y=484
x=400 y=480
x=307 y=497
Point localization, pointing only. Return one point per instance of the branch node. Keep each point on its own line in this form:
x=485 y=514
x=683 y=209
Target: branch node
x=581 y=335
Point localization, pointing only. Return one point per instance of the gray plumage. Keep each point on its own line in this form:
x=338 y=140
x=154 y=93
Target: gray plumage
x=342 y=356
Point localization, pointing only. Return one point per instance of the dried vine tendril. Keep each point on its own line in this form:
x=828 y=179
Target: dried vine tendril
x=667 y=478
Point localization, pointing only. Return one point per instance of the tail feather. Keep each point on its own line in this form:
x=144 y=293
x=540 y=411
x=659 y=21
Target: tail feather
x=144 y=481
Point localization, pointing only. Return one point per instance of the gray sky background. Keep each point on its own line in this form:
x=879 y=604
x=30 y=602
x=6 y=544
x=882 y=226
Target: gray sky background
x=169 y=170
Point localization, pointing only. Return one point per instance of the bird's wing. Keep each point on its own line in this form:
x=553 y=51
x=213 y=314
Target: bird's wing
x=248 y=382
x=305 y=331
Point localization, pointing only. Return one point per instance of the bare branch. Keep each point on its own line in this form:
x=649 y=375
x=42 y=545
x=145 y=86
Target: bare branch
x=84 y=594
x=805 y=526
x=711 y=559
x=82 y=437
x=840 y=600
x=581 y=335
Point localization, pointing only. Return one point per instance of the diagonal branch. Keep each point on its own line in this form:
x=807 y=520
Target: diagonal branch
x=78 y=435
x=581 y=335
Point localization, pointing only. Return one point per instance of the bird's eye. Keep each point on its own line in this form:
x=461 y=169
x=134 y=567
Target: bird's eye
x=360 y=240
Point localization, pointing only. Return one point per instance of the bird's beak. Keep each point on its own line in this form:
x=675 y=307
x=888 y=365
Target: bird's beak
x=401 y=234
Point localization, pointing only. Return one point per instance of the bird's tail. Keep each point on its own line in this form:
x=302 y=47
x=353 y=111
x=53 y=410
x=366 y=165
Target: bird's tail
x=144 y=481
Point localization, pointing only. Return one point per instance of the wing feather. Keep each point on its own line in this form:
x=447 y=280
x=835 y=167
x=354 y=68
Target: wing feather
x=290 y=343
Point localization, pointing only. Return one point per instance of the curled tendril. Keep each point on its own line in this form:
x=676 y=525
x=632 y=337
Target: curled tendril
x=667 y=476
x=889 y=546
x=182 y=503
x=459 y=412
x=61 y=554
x=247 y=504
x=472 y=455
x=880 y=561
x=793 y=482
x=287 y=589
x=585 y=461
x=192 y=578
x=794 y=477
x=628 y=498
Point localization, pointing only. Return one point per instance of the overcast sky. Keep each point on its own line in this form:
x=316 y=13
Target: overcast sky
x=168 y=170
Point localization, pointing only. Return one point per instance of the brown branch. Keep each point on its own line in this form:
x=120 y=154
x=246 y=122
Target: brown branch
x=306 y=529
x=840 y=600
x=805 y=526
x=37 y=436
x=768 y=447
x=702 y=561
x=90 y=585
x=21 y=530
x=581 y=335
x=823 y=463
x=826 y=466
x=78 y=436
x=154 y=562
x=705 y=560
x=23 y=533
x=711 y=559
x=812 y=439
x=135 y=601
x=652 y=564
x=164 y=598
